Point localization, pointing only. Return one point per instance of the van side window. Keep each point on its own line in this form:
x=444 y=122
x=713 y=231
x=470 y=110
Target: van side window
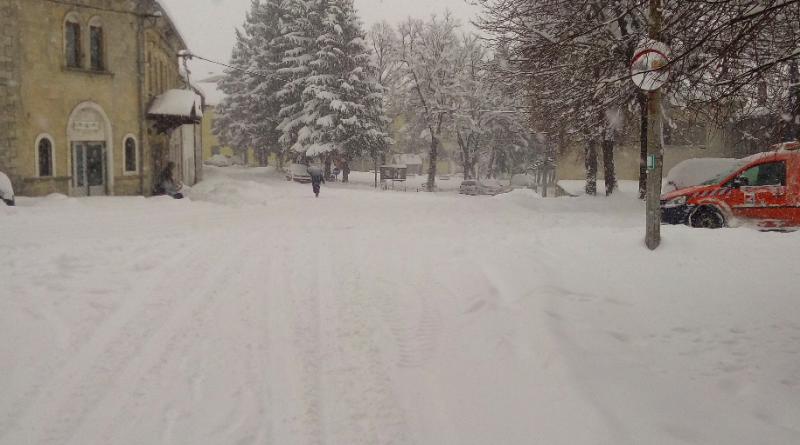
x=766 y=174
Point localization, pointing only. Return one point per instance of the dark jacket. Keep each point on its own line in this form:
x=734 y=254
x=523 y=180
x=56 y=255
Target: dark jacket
x=316 y=173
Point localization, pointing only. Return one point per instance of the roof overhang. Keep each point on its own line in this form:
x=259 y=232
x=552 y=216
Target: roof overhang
x=174 y=108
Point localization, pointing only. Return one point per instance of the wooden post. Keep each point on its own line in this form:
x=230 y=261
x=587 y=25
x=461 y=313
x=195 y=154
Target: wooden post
x=654 y=147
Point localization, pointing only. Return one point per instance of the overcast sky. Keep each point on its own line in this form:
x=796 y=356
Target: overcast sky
x=208 y=26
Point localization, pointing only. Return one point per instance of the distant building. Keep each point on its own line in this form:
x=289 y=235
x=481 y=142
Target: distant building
x=78 y=81
x=213 y=96
x=683 y=139
x=412 y=162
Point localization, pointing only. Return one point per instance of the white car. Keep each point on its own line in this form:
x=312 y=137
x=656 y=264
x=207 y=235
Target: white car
x=481 y=187
x=493 y=186
x=472 y=187
x=298 y=173
x=6 y=191
x=522 y=181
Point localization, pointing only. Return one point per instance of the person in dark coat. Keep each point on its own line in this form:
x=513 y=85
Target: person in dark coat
x=168 y=183
x=317 y=177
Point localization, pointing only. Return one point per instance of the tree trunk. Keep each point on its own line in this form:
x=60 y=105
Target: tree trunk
x=608 y=164
x=432 y=163
x=345 y=170
x=490 y=173
x=544 y=181
x=327 y=169
x=467 y=161
x=642 y=97
x=591 y=167
x=433 y=155
x=794 y=101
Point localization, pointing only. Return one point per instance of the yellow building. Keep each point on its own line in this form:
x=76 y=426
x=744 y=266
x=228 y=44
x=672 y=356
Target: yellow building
x=211 y=145
x=687 y=140
x=77 y=80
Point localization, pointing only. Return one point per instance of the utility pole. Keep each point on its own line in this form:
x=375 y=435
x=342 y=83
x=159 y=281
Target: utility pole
x=655 y=150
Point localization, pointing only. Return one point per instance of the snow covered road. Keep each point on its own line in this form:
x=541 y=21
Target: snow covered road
x=254 y=313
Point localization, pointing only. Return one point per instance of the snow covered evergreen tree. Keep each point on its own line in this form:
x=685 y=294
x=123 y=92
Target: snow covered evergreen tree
x=230 y=123
x=248 y=116
x=333 y=103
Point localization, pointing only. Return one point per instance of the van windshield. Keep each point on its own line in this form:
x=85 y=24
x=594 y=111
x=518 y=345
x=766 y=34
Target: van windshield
x=725 y=173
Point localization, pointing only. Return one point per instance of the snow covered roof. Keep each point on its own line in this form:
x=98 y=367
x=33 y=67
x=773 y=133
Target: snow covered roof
x=408 y=159
x=212 y=94
x=183 y=103
x=213 y=79
x=162 y=5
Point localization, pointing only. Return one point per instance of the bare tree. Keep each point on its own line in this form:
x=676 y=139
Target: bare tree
x=431 y=54
x=573 y=57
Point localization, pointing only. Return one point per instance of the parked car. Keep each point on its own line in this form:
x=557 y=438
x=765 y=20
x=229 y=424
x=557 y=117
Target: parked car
x=471 y=187
x=764 y=188
x=298 y=173
x=480 y=187
x=493 y=186
x=6 y=190
x=522 y=181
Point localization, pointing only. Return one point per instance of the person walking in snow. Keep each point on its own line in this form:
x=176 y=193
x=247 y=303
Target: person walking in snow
x=317 y=177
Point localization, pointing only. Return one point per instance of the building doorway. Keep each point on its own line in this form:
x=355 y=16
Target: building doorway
x=88 y=169
x=91 y=146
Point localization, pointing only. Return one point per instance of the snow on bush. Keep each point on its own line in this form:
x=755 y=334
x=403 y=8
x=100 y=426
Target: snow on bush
x=6 y=191
x=219 y=161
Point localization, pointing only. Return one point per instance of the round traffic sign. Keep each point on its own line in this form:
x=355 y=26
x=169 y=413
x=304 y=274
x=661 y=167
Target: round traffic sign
x=649 y=69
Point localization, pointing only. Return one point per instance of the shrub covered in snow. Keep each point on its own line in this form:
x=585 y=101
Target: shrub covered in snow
x=219 y=161
x=6 y=190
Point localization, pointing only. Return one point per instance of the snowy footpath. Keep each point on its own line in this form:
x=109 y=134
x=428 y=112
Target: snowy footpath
x=254 y=313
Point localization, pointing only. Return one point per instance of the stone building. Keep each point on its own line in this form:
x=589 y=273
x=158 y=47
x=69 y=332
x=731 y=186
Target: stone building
x=78 y=80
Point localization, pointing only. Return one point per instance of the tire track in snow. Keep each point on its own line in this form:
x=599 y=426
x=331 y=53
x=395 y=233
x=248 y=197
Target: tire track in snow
x=415 y=321
x=363 y=406
x=295 y=358
x=190 y=326
x=62 y=404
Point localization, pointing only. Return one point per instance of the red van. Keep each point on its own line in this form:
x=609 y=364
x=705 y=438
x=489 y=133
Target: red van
x=764 y=188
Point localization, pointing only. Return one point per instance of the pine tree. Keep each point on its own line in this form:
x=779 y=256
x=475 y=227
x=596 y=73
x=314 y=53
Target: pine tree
x=332 y=104
x=229 y=125
x=249 y=115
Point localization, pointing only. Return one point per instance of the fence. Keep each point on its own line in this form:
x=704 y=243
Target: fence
x=395 y=187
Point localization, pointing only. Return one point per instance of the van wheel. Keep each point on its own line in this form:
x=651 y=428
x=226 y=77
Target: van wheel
x=707 y=218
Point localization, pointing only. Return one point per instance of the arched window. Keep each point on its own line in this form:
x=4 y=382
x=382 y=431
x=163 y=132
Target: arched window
x=44 y=155
x=72 y=40
x=96 y=45
x=129 y=145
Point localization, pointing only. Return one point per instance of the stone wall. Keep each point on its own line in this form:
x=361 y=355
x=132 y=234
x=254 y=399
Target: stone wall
x=9 y=86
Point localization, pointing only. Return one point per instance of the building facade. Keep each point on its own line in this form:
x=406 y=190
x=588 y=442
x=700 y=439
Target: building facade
x=683 y=139
x=76 y=80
